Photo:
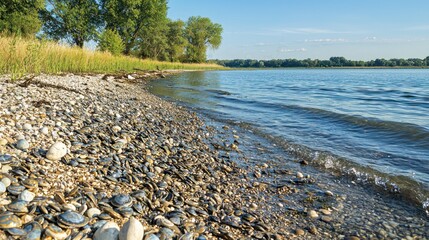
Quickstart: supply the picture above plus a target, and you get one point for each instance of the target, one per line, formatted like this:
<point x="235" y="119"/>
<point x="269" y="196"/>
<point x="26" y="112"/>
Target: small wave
<point x="221" y="92"/>
<point x="401" y="186"/>
<point x="401" y="130"/>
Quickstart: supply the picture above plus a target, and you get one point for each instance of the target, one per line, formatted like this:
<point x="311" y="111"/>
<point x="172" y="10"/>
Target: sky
<point x="317" y="29"/>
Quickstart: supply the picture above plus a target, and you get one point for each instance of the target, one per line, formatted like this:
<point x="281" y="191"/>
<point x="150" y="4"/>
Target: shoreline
<point x="122" y="139"/>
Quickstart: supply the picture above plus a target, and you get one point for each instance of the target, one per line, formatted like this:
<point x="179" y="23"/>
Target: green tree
<point x="110" y="41"/>
<point x="201" y="33"/>
<point x="152" y="41"/>
<point x="140" y="23"/>
<point x="176" y="40"/>
<point x="20" y="17"/>
<point x="76" y="21"/>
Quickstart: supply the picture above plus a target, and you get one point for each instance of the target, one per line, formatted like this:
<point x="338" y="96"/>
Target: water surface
<point x="371" y="125"/>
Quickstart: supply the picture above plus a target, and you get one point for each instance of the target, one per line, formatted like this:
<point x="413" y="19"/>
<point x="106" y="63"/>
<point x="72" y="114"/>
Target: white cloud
<point x="286" y="50"/>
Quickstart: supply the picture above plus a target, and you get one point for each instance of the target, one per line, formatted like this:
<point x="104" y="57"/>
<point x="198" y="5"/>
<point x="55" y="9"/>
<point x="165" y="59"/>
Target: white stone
<point x="130" y="77"/>
<point x="6" y="181"/>
<point x="313" y="214"/>
<point x="26" y="196"/>
<point x="116" y="128"/>
<point x="44" y="130"/>
<point x="27" y="127"/>
<point x="299" y="175"/>
<point x="2" y="187"/>
<point x="56" y="151"/>
<point x="92" y="212"/>
<point x="5" y="168"/>
<point x="109" y="231"/>
<point x="132" y="230"/>
<point x="70" y="207"/>
<point x="22" y="144"/>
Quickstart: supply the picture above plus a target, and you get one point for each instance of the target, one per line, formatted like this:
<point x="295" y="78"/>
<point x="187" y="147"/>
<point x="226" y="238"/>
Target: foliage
<point x="24" y="56"/>
<point x="74" y="20"/>
<point x="316" y="63"/>
<point x="176" y="41"/>
<point x="20" y="17"/>
<point x="201" y="33"/>
<point x="152" y="41"/>
<point x="142" y="24"/>
<point x="110" y="41"/>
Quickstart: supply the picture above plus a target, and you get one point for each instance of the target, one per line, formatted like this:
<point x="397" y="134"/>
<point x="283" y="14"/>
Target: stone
<point x="6" y="181"/>
<point x="299" y="232"/>
<point x="326" y="219"/>
<point x="132" y="230"/>
<point x="312" y="214"/>
<point x="44" y="130"/>
<point x="56" y="151"/>
<point x="313" y="230"/>
<point x="3" y="142"/>
<point x="22" y="144"/>
<point x="109" y="231"/>
<point x="299" y="175"/>
<point x="116" y="128"/>
<point x="325" y="211"/>
<point x="2" y="187"/>
<point x="5" y="168"/>
<point x="93" y="212"/>
<point x="329" y="193"/>
<point x="26" y="196"/>
<point x="27" y="127"/>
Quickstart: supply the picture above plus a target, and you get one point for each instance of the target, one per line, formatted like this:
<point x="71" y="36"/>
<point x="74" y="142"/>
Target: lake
<point x="371" y="125"/>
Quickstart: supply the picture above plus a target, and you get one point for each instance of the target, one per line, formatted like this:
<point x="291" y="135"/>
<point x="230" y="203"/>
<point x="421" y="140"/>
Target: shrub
<point x="111" y="41"/>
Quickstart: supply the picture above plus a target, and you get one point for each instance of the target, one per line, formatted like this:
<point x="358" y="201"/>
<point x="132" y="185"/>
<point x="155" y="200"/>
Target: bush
<point x="110" y="41"/>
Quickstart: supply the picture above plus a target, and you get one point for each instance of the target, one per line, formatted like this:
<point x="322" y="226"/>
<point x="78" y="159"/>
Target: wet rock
<point x="56" y="151"/>
<point x="132" y="230"/>
<point x="109" y="231"/>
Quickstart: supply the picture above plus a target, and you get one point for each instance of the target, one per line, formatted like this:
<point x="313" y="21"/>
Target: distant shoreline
<point x="275" y="68"/>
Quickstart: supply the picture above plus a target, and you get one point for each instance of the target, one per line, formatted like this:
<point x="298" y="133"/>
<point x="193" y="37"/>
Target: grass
<point x="19" y="57"/>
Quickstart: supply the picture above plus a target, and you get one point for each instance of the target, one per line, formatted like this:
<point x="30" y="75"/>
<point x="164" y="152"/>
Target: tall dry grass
<point x="19" y="57"/>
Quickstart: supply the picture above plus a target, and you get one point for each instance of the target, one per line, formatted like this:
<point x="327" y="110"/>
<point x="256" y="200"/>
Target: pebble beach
<point x="99" y="157"/>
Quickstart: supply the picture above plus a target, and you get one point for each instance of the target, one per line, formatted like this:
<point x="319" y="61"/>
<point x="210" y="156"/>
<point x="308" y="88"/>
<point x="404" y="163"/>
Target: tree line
<point x="316" y="63"/>
<point x="131" y="27"/>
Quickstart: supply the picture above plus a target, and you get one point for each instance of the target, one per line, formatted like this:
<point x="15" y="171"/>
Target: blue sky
<point x="271" y="29"/>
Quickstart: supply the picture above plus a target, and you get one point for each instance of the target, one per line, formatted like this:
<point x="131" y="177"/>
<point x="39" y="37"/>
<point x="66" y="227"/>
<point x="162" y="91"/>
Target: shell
<point x="70" y="219"/>
<point x="121" y="200"/>
<point x="8" y="220"/>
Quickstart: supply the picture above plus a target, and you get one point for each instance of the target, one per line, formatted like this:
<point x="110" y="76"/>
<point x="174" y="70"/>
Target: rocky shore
<point x="98" y="157"/>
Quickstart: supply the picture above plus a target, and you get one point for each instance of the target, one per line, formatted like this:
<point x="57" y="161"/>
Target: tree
<point x="20" y="17"/>
<point x="140" y="23"/>
<point x="110" y="41"/>
<point x="152" y="40"/>
<point x="201" y="33"/>
<point x="76" y="21"/>
<point x="176" y="40"/>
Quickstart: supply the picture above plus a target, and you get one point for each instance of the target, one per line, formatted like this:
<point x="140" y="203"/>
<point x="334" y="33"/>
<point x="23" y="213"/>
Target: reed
<point x="19" y="56"/>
